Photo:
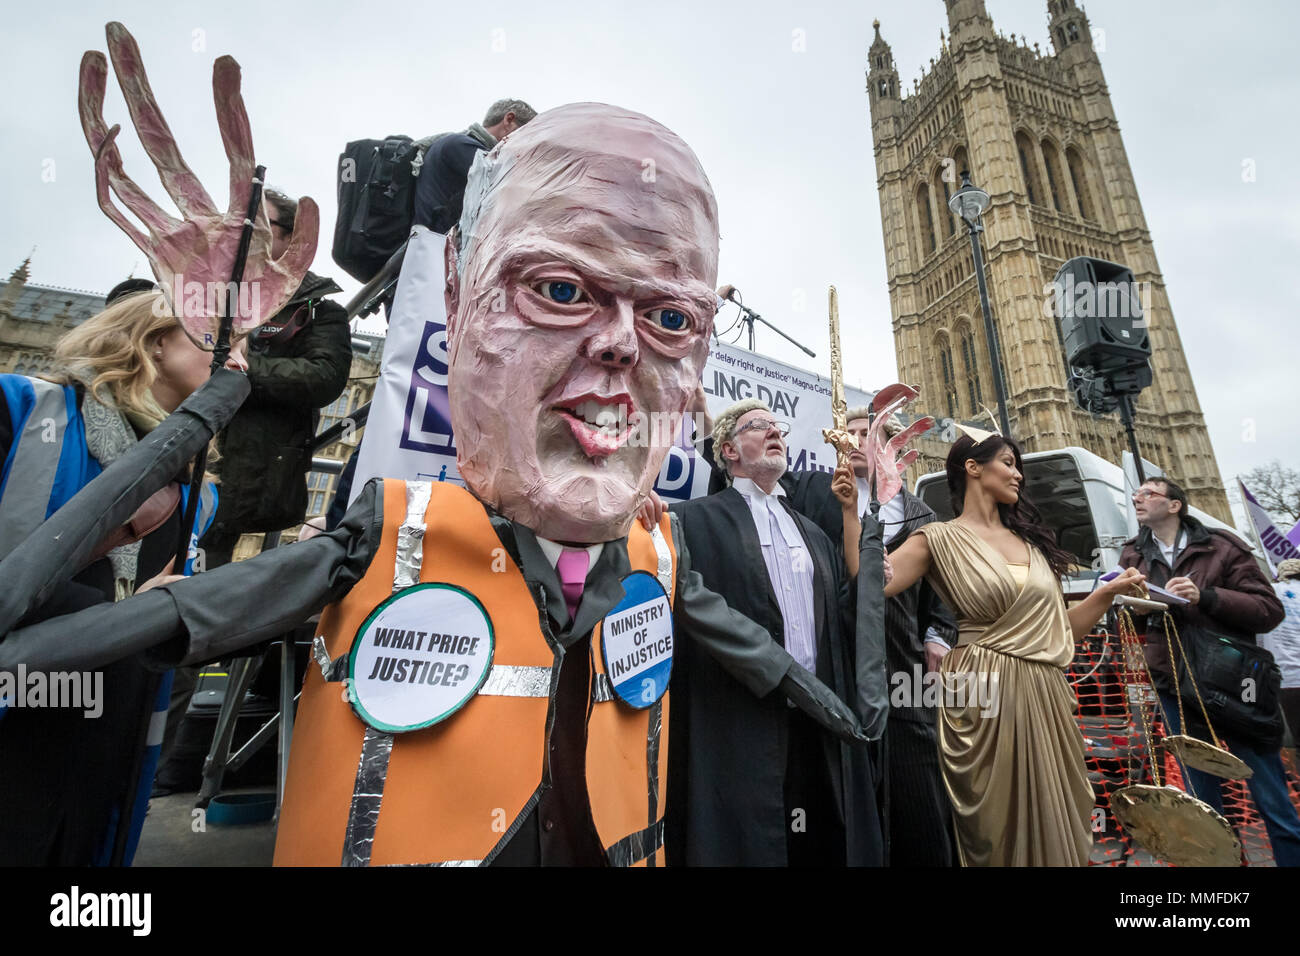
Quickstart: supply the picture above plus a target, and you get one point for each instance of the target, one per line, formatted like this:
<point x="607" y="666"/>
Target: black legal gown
<point x="728" y="749"/>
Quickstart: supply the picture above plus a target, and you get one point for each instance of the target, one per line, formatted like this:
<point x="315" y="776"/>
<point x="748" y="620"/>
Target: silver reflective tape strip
<point x="652" y="763"/>
<point x="321" y="655"/>
<point x="517" y="680"/>
<point x="410" y="536"/>
<point x="367" y="795"/>
<point x="636" y="847"/>
<point x="602" y="689"/>
<point x="655" y="728"/>
<point x="665" y="570"/>
<point x="443" y="863"/>
<point x="157" y="724"/>
<point x="653" y="731"/>
<point x="34" y="466"/>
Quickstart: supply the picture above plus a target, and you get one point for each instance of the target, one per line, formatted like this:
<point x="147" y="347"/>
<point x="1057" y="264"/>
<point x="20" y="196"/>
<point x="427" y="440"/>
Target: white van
<point x="1083" y="497"/>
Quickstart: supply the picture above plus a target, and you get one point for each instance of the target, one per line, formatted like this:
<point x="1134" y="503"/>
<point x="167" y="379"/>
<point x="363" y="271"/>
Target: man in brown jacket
<point x="1228" y="594"/>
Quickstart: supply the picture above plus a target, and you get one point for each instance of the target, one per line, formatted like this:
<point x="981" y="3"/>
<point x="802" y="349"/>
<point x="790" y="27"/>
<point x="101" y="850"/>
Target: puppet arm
<point x="748" y="652"/>
<point x="212" y="613"/>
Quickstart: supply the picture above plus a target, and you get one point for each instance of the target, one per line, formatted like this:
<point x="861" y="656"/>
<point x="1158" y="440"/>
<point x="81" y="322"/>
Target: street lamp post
<point x="968" y="204"/>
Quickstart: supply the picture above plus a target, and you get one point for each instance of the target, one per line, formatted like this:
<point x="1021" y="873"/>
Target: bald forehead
<point x="596" y="130"/>
<point x="606" y="191"/>
<point x="589" y="157"/>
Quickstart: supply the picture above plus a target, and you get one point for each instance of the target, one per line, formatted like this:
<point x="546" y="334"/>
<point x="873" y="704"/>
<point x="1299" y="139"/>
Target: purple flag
<point x="1276" y="547"/>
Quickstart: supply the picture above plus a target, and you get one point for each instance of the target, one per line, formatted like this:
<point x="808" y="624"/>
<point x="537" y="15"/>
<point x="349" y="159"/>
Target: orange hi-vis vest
<point x="452" y="794"/>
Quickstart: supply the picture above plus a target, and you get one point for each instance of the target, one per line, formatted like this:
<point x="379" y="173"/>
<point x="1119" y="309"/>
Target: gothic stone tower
<point x="1037" y="131"/>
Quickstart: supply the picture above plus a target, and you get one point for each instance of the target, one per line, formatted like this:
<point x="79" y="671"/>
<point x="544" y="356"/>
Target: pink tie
<point x="572" y="569"/>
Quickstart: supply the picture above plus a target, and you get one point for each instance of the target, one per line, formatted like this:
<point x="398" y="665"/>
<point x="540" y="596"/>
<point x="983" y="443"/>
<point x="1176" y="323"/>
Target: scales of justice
<point x="1170" y="823"/>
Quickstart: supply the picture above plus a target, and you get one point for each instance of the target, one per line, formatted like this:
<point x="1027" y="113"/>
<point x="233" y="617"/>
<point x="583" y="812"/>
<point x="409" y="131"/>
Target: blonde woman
<point x="117" y="376"/>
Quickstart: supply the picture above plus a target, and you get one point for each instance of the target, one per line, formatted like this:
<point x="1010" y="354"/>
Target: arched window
<point x="944" y="190"/>
<point x="1052" y="163"/>
<point x="1029" y="167"/>
<point x="925" y="215"/>
<point x="944" y="349"/>
<point x="1079" y="179"/>
<point x="970" y="360"/>
<point x="961" y="164"/>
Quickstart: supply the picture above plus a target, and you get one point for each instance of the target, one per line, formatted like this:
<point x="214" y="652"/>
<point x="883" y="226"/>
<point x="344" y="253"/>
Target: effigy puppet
<point x="495" y="661"/>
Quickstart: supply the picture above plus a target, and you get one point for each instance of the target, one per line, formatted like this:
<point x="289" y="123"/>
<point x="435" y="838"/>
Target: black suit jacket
<point x="907" y="615"/>
<point x="728" y="749"/>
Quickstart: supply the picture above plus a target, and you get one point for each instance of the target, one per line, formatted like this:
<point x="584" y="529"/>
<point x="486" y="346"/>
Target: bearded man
<point x="754" y="782"/>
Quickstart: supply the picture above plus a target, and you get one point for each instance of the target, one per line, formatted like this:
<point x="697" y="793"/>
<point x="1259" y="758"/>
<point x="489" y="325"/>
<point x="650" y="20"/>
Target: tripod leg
<point x="214" y="765"/>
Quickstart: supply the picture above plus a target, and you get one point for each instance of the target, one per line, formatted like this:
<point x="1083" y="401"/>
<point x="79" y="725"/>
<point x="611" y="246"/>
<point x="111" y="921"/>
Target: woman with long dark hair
<point x="1011" y="751"/>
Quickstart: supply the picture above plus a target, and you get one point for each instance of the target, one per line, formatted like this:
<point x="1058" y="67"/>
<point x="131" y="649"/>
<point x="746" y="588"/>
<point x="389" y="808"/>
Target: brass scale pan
<point x="1170" y="823"/>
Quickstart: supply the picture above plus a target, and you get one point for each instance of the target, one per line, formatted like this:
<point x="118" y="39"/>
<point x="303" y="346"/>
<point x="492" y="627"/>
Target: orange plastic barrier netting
<point x="1111" y="688"/>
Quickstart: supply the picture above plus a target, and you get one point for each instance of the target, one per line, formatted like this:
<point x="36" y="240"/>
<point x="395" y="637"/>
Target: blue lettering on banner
<point x="426" y="422"/>
<point x="676" y="481"/>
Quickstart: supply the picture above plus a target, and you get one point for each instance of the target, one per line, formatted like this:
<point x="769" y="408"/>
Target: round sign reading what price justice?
<point x="419" y="657"/>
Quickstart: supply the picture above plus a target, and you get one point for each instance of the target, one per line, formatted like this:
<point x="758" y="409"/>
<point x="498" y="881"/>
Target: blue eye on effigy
<point x="564" y="293"/>
<point x="670" y="319"/>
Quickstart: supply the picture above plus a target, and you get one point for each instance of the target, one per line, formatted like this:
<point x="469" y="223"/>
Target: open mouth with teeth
<point x="599" y="424"/>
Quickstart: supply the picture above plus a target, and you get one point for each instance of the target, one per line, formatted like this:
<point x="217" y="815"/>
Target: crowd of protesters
<point x="782" y="548"/>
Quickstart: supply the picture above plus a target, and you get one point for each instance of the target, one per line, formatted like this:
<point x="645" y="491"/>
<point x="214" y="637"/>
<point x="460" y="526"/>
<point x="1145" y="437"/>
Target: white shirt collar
<point x="1180" y="540"/>
<point x="761" y="505"/>
<point x="892" y="511"/>
<point x="864" y="494"/>
<point x="553" y="550"/>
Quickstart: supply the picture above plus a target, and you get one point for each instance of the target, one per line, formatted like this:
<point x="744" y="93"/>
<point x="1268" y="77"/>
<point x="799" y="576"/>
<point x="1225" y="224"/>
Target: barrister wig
<point x="724" y="428"/>
<point x="891" y="428"/>
<point x="1023" y="518"/>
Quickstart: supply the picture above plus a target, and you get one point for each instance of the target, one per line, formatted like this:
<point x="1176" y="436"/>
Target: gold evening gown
<point x="1011" y="751"/>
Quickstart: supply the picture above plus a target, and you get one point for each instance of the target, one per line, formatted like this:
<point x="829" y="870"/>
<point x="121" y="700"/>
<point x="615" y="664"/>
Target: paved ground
<point x="174" y="835"/>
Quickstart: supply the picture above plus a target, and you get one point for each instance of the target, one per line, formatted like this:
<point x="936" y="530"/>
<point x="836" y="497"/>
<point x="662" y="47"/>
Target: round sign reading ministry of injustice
<point x="637" y="641"/>
<point x="419" y="657"/>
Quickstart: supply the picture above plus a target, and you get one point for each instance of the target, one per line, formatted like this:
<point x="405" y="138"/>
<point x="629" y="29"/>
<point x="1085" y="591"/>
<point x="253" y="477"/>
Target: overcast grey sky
<point x="1199" y="88"/>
